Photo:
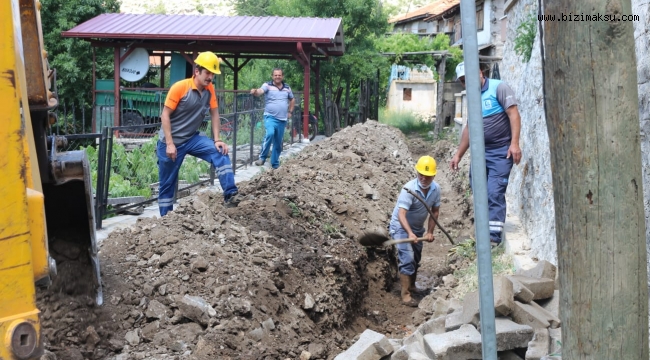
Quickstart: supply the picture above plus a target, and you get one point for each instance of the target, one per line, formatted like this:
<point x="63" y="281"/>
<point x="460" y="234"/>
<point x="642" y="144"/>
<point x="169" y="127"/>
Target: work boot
<point x="412" y="287"/>
<point x="405" y="282"/>
<point x="231" y="200"/>
<point x="259" y="162"/>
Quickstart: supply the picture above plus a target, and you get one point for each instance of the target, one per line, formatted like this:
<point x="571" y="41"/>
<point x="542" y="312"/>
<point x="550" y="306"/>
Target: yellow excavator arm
<point x="23" y="242"/>
<point x="36" y="183"/>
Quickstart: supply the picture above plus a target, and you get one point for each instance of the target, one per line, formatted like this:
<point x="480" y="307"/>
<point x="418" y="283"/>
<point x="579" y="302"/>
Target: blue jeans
<point x="408" y="254"/>
<point x="274" y="136"/>
<point x="198" y="146"/>
<point x="498" y="172"/>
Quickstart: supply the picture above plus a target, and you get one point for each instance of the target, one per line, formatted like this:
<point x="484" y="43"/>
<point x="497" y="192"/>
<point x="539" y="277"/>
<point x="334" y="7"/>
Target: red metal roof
<point x="211" y="28"/>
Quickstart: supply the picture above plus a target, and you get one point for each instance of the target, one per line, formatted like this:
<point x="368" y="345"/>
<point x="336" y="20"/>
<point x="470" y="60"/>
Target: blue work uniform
<point x="276" y="110"/>
<point x="189" y="107"/>
<point x="410" y="254"/>
<point x="496" y="97"/>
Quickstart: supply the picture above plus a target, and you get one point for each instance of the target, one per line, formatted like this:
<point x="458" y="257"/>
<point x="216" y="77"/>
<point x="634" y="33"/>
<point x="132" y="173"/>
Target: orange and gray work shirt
<point x="189" y="108"/>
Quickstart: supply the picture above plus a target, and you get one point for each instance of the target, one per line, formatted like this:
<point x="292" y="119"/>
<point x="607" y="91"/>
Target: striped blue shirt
<point x="277" y="100"/>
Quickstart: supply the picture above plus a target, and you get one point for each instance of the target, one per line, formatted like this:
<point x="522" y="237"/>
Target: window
<point x="479" y="17"/>
<point x="406" y="94"/>
<point x="458" y="33"/>
<point x="422" y="27"/>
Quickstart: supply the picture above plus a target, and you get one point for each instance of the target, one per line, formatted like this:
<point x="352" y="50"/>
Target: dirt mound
<point x="265" y="280"/>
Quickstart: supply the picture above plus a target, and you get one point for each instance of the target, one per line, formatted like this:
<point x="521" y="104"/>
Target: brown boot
<point x="405" y="282"/>
<point x="412" y="287"/>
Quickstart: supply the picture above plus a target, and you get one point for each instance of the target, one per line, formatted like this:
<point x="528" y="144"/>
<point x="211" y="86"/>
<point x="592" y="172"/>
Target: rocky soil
<point x="278" y="277"/>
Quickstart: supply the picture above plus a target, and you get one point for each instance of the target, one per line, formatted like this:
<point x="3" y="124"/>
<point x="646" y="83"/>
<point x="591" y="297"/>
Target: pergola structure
<point x="234" y="39"/>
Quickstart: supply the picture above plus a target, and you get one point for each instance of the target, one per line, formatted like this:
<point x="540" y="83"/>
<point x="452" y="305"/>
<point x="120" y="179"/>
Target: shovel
<point x="375" y="239"/>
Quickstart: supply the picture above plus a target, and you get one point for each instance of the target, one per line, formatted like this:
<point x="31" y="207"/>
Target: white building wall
<point x="423" y="96"/>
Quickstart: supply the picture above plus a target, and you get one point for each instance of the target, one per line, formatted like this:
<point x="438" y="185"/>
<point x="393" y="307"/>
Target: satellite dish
<point x="135" y="66"/>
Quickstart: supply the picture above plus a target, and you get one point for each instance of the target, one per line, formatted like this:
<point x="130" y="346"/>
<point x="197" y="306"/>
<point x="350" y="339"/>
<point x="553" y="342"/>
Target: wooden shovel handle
<point x="392" y="242"/>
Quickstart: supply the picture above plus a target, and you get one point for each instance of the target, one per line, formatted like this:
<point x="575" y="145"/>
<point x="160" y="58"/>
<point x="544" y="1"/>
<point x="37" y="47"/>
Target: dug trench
<point x="277" y="277"/>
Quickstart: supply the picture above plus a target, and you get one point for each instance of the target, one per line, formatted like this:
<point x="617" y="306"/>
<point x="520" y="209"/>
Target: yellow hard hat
<point x="209" y="61"/>
<point x="426" y="166"/>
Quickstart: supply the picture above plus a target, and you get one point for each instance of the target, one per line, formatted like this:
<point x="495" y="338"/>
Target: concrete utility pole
<point x="479" y="180"/>
<point x="590" y="89"/>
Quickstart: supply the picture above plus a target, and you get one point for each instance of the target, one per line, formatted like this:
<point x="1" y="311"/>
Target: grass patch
<point x="407" y="122"/>
<point x="468" y="278"/>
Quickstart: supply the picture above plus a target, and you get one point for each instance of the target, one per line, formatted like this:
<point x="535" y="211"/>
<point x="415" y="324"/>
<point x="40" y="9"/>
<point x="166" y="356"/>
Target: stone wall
<point x="530" y="193"/>
<point x="642" y="43"/>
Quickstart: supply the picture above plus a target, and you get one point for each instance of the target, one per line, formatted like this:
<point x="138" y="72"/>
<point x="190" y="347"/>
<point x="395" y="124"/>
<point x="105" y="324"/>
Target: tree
<point x="363" y="22"/>
<point x="590" y="86"/>
<point x="72" y="58"/>
<point x="404" y="42"/>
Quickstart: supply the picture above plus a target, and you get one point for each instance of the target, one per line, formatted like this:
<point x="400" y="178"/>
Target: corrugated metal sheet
<point x="207" y="27"/>
<point x="433" y="9"/>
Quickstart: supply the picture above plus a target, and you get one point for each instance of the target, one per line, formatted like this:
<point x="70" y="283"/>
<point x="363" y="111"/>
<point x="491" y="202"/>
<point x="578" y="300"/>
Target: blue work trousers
<point x="198" y="146"/>
<point x="498" y="171"/>
<point x="408" y="254"/>
<point x="274" y="136"/>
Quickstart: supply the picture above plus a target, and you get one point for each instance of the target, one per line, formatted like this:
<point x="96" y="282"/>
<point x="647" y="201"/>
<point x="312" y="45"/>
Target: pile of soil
<point x="279" y="275"/>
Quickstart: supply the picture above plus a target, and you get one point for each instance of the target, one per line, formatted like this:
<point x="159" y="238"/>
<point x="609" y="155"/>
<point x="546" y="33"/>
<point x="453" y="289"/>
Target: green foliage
<point x="330" y="229"/>
<point x="468" y="276"/>
<point x="405" y="121"/>
<point x="406" y="42"/>
<point x="133" y="171"/>
<point x="72" y="58"/>
<point x="525" y="37"/>
<point x="559" y="351"/>
<point x="363" y="22"/>
<point x="295" y="210"/>
<point x="158" y="8"/>
<point x="466" y="249"/>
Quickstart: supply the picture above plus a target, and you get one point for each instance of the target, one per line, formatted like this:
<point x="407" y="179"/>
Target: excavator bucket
<point x="70" y="214"/>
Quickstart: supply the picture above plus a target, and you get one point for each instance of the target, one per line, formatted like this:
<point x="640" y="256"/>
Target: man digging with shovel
<point x="408" y="220"/>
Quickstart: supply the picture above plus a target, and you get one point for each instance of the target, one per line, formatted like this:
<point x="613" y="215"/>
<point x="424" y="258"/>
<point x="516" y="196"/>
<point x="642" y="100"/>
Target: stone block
<point x="433" y="326"/>
<point x="440" y="308"/>
<point x="542" y="288"/>
<point x="471" y="308"/>
<point x="539" y="346"/>
<point x="542" y="270"/>
<point x="454" y="320"/>
<point x="407" y="352"/>
<point x="415" y="338"/>
<point x="503" y="296"/>
<point x="525" y="314"/>
<point x="552" y="319"/>
<point x="511" y="335"/>
<point x="521" y="292"/>
<point x="503" y="302"/>
<point x="461" y="344"/>
<point x="454" y="304"/>
<point x="552" y="304"/>
<point x="370" y="346"/>
<point x="556" y="340"/>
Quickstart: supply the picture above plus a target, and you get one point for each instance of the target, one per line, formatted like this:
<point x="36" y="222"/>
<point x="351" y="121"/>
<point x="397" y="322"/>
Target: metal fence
<point x="242" y="128"/>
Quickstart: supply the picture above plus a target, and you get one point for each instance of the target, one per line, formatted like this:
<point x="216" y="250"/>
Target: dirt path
<point x="278" y="275"/>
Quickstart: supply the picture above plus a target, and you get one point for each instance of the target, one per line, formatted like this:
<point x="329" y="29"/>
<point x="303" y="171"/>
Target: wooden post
<point x="591" y="104"/>
<point x="116" y="92"/>
<point x="441" y="92"/>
